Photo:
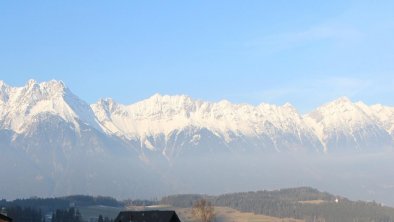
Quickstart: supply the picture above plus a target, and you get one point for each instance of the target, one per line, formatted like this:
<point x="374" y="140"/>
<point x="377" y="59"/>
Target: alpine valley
<point x="54" y="143"/>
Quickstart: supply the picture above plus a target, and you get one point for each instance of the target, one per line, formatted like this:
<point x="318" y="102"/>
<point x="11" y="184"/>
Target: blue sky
<point x="302" y="52"/>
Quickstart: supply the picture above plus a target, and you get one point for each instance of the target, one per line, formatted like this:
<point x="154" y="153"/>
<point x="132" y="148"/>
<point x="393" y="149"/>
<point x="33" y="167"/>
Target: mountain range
<point x="177" y="125"/>
<point x="49" y="135"/>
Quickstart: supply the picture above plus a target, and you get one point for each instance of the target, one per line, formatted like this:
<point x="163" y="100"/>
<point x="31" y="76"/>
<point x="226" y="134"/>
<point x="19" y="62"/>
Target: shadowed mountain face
<point x="57" y="144"/>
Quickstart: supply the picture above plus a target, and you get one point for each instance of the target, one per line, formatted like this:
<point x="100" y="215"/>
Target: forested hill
<point x="54" y="203"/>
<point x="67" y="209"/>
<point x="301" y="203"/>
<point x="62" y="202"/>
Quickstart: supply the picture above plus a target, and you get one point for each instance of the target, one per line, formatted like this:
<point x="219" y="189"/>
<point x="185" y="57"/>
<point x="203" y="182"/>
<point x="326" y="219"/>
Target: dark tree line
<point x="84" y="200"/>
<point x="30" y="214"/>
<point x="51" y="204"/>
<point x="104" y="219"/>
<point x="70" y="215"/>
<point x="25" y="214"/>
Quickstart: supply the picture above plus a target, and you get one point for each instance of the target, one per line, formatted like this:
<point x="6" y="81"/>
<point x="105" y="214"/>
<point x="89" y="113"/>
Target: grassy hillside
<point x="300" y="203"/>
<point x="222" y="214"/>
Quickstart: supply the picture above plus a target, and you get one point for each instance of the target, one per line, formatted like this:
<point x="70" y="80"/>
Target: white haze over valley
<point x="53" y="143"/>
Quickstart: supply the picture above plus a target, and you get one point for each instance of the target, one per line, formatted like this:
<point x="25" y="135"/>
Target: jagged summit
<point x="342" y="124"/>
<point x="159" y="101"/>
<point x="53" y="85"/>
<point x="23" y="105"/>
<point x="4" y="90"/>
<point x="157" y="97"/>
<point x="342" y="99"/>
<point x="107" y="102"/>
<point x="339" y="104"/>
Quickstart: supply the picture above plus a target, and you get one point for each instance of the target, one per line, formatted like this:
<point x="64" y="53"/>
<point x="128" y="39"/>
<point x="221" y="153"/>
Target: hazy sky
<point x="302" y="52"/>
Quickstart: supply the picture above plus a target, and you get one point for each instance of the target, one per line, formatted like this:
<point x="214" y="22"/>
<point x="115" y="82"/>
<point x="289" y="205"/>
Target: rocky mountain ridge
<point x="175" y="125"/>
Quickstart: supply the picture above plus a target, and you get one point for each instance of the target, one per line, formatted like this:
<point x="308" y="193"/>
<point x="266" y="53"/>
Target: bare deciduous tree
<point x="203" y="210"/>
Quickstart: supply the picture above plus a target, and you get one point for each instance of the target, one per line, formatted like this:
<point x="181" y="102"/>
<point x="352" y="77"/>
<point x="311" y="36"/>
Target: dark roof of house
<point x="4" y="217"/>
<point x="147" y="216"/>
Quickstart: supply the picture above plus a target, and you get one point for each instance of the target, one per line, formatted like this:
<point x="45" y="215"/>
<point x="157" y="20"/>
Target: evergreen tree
<point x="100" y="218"/>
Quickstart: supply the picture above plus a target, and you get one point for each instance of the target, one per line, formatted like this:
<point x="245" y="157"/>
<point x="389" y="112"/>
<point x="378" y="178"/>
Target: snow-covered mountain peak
<point x="377" y="107"/>
<point x="338" y="112"/>
<point x="4" y="91"/>
<point x="342" y="124"/>
<point x="2" y="84"/>
<point x="23" y="105"/>
<point x="224" y="103"/>
<point x="35" y="90"/>
<point x="104" y="108"/>
<point x="385" y="115"/>
<point x="108" y="103"/>
<point x="162" y="107"/>
<point x="158" y="99"/>
<point x="31" y="82"/>
<point x="342" y="100"/>
<point x="276" y="110"/>
<point x="341" y="108"/>
<point x="55" y="85"/>
<point x="290" y="107"/>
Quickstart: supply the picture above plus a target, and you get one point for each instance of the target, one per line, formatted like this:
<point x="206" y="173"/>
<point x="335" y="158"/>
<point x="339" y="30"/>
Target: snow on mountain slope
<point x="343" y="125"/>
<point x="385" y="115"/>
<point x="20" y="106"/>
<point x="171" y="125"/>
<point x="163" y="115"/>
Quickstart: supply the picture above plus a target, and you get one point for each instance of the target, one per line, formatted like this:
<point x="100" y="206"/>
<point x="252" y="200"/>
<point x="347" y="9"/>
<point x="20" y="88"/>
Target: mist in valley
<point x="361" y="176"/>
